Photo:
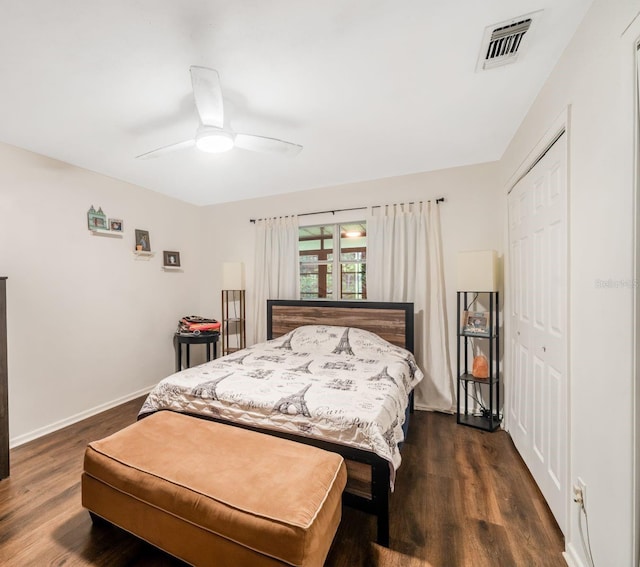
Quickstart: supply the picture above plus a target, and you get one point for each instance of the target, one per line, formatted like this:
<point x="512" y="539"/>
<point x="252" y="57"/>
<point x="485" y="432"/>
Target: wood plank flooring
<point x="463" y="498"/>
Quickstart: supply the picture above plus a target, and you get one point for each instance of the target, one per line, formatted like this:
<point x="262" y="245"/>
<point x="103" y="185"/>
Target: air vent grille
<point x="503" y="42"/>
<point x="506" y="40"/>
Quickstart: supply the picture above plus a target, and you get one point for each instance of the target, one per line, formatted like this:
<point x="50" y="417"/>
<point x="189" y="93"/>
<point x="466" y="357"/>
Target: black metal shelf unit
<point x="487" y="415"/>
<point x="233" y="320"/>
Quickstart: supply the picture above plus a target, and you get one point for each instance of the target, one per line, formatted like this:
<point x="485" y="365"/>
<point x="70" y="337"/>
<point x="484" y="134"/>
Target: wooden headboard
<point x="391" y="321"/>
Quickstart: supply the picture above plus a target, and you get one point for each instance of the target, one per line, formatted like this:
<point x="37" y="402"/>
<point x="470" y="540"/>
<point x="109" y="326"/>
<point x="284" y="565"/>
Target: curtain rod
<point x="334" y="211"/>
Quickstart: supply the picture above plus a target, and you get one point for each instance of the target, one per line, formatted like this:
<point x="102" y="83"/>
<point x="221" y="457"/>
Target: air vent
<point x="503" y="42"/>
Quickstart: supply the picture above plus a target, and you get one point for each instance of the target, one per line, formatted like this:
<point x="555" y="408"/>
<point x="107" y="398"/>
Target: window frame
<point x="336" y="263"/>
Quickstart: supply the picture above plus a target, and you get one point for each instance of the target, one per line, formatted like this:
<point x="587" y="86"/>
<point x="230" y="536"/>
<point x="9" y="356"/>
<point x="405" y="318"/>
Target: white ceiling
<point x="370" y="88"/>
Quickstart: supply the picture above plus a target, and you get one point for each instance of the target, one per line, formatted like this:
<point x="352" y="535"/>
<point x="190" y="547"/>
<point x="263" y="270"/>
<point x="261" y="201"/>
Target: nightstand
<point x="207" y="339"/>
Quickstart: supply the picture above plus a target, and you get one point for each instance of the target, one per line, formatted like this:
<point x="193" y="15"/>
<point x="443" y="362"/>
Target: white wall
<point x="471" y="194"/>
<point x="595" y="77"/>
<point x="91" y="326"/>
<point x="88" y="325"/>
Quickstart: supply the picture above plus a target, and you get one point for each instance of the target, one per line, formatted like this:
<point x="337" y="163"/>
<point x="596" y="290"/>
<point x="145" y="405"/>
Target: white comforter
<point x="339" y="384"/>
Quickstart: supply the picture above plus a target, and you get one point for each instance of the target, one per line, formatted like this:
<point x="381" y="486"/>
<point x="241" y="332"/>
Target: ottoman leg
<point x="97" y="520"/>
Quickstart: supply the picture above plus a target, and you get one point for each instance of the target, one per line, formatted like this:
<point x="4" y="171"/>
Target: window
<point x="319" y="263"/>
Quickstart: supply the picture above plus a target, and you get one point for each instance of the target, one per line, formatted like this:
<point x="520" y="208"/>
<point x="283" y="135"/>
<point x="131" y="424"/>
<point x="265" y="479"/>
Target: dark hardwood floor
<point x="463" y="498"/>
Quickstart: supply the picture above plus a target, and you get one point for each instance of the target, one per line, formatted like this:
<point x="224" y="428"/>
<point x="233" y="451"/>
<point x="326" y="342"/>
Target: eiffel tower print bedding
<point x="340" y="384"/>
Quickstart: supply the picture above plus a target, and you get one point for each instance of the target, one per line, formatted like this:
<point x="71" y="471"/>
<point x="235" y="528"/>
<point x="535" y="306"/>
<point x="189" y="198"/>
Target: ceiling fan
<point x="212" y="136"/>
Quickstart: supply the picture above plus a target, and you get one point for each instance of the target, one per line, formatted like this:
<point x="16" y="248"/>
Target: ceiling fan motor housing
<point x="213" y="140"/>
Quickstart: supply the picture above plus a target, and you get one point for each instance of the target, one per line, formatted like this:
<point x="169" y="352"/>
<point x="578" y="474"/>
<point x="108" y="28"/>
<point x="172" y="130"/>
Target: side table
<point x="207" y="339"/>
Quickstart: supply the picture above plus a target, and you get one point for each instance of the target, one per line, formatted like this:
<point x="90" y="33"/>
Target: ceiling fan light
<point x="214" y="141"/>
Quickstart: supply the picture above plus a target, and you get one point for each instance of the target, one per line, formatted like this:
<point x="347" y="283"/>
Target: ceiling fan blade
<point x="167" y="149"/>
<point x="268" y="145"/>
<point x="208" y="95"/>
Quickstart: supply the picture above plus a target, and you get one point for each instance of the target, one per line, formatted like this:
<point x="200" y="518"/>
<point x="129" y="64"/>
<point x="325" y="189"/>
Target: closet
<point x="538" y="391"/>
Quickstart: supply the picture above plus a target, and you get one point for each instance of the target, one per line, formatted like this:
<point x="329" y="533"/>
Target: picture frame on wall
<point x="143" y="243"/>
<point x="116" y="225"/>
<point x="476" y="323"/>
<point x="171" y="259"/>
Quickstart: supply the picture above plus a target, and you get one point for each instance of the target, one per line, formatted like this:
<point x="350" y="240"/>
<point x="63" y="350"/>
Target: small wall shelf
<point x="143" y="255"/>
<point x="100" y="232"/>
<point x="171" y="269"/>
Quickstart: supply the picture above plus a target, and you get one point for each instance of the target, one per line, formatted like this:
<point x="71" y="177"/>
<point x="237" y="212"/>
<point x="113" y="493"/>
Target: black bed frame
<point x="378" y="504"/>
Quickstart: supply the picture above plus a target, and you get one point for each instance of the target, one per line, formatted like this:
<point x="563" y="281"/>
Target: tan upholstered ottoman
<point x="218" y="495"/>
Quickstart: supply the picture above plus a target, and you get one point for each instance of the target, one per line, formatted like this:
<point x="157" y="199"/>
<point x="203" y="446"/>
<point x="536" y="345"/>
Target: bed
<point x="337" y="375"/>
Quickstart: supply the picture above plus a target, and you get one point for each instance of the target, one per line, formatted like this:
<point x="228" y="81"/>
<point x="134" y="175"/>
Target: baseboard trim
<point x="36" y="433"/>
<point x="423" y="407"/>
<point x="572" y="558"/>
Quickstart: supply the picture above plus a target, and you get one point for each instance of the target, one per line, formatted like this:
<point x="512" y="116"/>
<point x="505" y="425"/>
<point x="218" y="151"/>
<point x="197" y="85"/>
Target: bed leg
<point x="383" y="529"/>
<point x="381" y="494"/>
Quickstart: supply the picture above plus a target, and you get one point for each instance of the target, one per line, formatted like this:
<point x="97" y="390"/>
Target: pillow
<point x="329" y="339"/>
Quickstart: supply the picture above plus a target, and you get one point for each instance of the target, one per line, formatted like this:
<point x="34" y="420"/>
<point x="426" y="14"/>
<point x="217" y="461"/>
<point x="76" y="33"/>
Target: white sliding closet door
<point x="538" y="387"/>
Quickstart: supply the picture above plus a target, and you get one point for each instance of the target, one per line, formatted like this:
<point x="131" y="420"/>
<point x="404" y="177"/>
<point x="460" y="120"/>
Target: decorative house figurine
<point x="97" y="220"/>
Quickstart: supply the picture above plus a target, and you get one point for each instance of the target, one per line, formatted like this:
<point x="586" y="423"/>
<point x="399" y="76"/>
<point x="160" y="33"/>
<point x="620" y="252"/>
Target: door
<point x="538" y="388"/>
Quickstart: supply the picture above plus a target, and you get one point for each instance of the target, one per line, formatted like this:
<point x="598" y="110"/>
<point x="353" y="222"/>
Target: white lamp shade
<point x="478" y="270"/>
<point x="233" y="275"/>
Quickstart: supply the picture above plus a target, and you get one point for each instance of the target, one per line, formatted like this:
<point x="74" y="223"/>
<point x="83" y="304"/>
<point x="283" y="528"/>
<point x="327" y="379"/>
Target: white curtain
<point x="276" y="268"/>
<point x="404" y="263"/>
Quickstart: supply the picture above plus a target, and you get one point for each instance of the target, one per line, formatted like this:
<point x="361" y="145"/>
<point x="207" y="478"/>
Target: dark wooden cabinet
<point x="4" y="386"/>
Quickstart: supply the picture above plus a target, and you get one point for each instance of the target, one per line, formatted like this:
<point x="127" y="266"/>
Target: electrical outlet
<point x="580" y="492"/>
<point x="583" y="489"/>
